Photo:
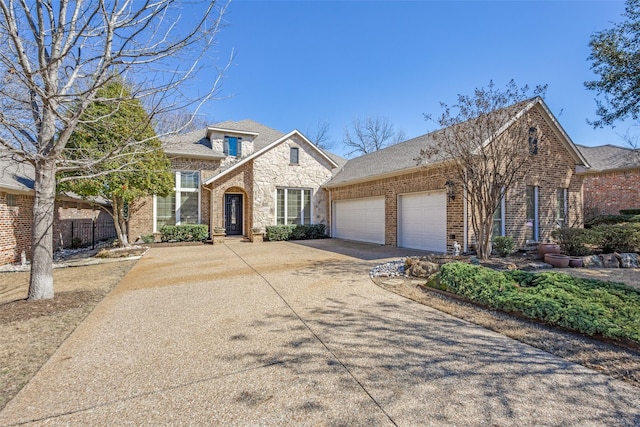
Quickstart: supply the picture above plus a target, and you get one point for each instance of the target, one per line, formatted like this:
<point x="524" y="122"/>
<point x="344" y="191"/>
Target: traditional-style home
<point x="385" y="197"/>
<point x="239" y="176"/>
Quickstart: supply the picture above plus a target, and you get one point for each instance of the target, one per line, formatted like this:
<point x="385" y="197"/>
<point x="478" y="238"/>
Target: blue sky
<point x="300" y="63"/>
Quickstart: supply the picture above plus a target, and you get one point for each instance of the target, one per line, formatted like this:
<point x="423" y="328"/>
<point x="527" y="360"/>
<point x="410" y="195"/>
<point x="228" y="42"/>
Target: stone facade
<point x="272" y="170"/>
<point x="256" y="179"/>
<point x="607" y="192"/>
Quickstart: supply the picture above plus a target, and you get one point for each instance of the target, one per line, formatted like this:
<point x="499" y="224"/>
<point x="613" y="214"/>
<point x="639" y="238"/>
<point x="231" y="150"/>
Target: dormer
<point x="235" y="144"/>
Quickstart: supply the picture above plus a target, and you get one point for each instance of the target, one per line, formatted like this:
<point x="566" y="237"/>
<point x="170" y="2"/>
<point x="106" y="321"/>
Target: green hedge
<point x="295" y="232"/>
<point x="630" y="212"/>
<point x="588" y="306"/>
<point x="611" y="220"/>
<point x="184" y="233"/>
<point x="618" y="238"/>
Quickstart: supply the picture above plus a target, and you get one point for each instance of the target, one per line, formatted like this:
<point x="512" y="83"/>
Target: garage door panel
<point x="422" y="221"/>
<point x="360" y="219"/>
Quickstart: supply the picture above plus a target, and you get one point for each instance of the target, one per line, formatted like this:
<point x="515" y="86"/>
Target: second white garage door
<point x="422" y="221"/>
<point x="359" y="219"/>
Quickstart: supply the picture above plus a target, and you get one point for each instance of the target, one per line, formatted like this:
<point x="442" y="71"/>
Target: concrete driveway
<point x="297" y="334"/>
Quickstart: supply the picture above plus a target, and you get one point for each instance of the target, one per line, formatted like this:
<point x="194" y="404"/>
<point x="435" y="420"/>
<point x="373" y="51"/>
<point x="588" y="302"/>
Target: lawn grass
<point x="588" y="306"/>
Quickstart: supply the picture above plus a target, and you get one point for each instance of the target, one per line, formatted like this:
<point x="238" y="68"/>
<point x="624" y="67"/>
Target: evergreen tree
<point x="107" y="128"/>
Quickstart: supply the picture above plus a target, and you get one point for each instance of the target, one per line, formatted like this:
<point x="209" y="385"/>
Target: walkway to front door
<point x="233" y="214"/>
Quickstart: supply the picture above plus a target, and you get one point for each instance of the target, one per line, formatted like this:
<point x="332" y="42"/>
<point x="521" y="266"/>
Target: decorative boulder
<point x="420" y="267"/>
<point x="610" y="260"/>
<point x="629" y="260"/>
<point x="592" y="261"/>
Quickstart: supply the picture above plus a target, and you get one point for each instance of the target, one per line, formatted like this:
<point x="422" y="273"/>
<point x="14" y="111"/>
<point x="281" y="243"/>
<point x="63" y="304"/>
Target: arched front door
<point x="233" y="214"/>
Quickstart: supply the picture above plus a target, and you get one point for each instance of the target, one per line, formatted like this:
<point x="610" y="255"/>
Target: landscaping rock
<point x="592" y="261"/>
<point x="610" y="260"/>
<point x="422" y="268"/>
<point x="629" y="260"/>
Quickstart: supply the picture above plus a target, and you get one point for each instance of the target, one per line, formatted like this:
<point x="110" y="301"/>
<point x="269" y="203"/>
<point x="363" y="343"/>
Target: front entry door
<point x="233" y="213"/>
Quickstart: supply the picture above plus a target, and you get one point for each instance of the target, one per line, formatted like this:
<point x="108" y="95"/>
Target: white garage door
<point x="359" y="219"/>
<point x="422" y="221"/>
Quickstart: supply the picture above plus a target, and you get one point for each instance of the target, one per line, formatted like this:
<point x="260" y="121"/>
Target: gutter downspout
<point x="330" y="219"/>
<point x="465" y="213"/>
<point x="211" y="225"/>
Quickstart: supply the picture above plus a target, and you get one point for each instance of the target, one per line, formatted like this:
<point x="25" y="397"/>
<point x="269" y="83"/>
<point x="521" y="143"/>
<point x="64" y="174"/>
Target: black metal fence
<point x="90" y="233"/>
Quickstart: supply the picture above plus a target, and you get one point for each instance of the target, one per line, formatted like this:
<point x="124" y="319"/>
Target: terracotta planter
<point x="548" y="248"/>
<point x="575" y="262"/>
<point x="557" y="260"/>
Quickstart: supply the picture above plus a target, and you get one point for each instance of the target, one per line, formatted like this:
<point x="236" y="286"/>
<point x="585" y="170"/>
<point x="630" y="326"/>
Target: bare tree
<point x="633" y="141"/>
<point x="320" y="135"/>
<point x="179" y="122"/>
<point x="56" y="55"/>
<point x="487" y="139"/>
<point x="370" y="134"/>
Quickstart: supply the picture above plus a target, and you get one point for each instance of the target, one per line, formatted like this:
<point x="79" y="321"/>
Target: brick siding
<point x="606" y="193"/>
<point x="141" y="211"/>
<point x="552" y="168"/>
<point x="15" y="228"/>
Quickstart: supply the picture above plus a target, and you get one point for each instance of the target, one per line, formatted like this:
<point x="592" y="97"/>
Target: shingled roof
<point x="609" y="157"/>
<point x="402" y="157"/>
<point x="16" y="175"/>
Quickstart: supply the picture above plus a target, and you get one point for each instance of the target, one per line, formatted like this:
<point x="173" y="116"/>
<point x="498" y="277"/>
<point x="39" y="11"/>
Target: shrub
<point x="587" y="306"/>
<point x="573" y="241"/>
<point x="629" y="211"/>
<point x="618" y="238"/>
<point x="611" y="220"/>
<point x="184" y="233"/>
<point x="295" y="232"/>
<point x="504" y="245"/>
<point x="147" y="238"/>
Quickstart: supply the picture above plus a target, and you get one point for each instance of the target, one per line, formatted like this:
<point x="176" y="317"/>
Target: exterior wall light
<point x="451" y="190"/>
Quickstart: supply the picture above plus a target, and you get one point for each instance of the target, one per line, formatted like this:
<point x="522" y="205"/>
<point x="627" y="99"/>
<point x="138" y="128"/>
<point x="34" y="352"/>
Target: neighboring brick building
<point x="16" y="215"/>
<point x="613" y="182"/>
<point x="386" y="198"/>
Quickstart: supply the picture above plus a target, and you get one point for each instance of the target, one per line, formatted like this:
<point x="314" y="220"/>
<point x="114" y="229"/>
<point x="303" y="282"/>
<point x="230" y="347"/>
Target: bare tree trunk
<point x="118" y="221"/>
<point x="41" y="282"/>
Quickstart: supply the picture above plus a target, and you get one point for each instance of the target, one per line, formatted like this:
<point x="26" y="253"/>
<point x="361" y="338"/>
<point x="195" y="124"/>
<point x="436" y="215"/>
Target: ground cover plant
<point x="587" y="306"/>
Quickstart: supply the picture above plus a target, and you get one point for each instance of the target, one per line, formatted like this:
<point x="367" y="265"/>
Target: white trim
<point x="267" y="148"/>
<point x="177" y="190"/>
<point x="155" y="215"/>
<point x="212" y="129"/>
<point x="536" y="207"/>
<point x="286" y="206"/>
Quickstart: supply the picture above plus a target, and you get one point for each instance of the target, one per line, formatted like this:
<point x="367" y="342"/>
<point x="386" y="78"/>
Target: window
<point x="11" y="200"/>
<point x="294" y="154"/>
<point x="182" y="206"/>
<point x="293" y="206"/>
<point x="562" y="207"/>
<point x="498" y="220"/>
<point x="232" y="146"/>
<point x="533" y="141"/>
<point x="532" y="213"/>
